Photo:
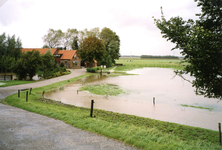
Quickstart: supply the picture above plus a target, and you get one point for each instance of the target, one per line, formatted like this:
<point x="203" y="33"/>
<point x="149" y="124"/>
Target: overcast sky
<point x="130" y="19"/>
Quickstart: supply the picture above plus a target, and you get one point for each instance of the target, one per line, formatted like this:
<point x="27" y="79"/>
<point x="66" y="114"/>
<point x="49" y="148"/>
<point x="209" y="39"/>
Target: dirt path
<point x="20" y="129"/>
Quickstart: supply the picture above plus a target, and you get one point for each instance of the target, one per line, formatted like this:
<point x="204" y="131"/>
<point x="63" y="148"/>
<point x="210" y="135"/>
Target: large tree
<point x="91" y="48"/>
<point x="28" y="64"/>
<point x="53" y="38"/>
<point x="75" y="44"/>
<point x="200" y="44"/>
<point x="112" y="44"/>
<point x="68" y="37"/>
<point x="10" y="52"/>
<point x="48" y="62"/>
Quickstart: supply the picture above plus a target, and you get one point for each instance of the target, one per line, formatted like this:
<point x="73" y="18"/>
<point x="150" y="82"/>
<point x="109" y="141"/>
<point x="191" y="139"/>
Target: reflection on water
<point x="169" y="94"/>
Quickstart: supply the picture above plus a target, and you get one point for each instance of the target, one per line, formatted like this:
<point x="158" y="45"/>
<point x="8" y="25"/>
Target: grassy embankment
<point x="143" y="133"/>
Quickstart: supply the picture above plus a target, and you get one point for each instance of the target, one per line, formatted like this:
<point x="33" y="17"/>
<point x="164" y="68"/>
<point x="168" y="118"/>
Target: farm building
<point x="69" y="58"/>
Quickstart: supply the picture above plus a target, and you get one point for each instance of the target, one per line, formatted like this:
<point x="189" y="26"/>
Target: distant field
<point x="132" y="63"/>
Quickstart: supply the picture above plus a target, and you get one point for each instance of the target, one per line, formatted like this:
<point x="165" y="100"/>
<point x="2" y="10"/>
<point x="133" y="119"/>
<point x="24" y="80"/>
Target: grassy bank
<point x="143" y="133"/>
<point x="103" y="89"/>
<point x="199" y="107"/>
<point x="133" y="63"/>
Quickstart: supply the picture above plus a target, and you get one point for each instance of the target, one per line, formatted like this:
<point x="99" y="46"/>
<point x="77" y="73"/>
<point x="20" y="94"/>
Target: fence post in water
<point x="30" y="91"/>
<point x="18" y="93"/>
<point x="43" y="94"/>
<point x="219" y="126"/>
<point x="91" y="112"/>
<point x="27" y="96"/>
<point x="153" y="100"/>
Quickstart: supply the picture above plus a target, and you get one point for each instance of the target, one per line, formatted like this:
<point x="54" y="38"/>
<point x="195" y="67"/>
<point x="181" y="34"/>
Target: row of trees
<point x="159" y="57"/>
<point x="32" y="62"/>
<point x="102" y="46"/>
<point x="200" y="42"/>
<point x="25" y="64"/>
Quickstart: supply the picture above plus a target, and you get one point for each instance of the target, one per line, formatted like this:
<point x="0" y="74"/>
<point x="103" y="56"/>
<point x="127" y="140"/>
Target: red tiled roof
<point x="67" y="54"/>
<point x="41" y="50"/>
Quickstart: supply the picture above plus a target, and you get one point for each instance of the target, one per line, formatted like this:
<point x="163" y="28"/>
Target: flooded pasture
<point x="169" y="92"/>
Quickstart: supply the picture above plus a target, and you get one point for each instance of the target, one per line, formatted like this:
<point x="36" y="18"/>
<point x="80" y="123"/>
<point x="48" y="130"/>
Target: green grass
<point x="133" y="63"/>
<point x="200" y="107"/>
<point x="103" y="89"/>
<point x="14" y="82"/>
<point x="143" y="133"/>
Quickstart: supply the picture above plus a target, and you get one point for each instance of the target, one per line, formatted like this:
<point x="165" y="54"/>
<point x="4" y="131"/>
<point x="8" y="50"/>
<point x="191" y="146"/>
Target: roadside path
<point x="20" y="129"/>
<point x="6" y="91"/>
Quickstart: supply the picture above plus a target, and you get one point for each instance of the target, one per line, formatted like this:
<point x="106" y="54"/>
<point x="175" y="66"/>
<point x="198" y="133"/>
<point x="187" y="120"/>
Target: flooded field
<point x="169" y="92"/>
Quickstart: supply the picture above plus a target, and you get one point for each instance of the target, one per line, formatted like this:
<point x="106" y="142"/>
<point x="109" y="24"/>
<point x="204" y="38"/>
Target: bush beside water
<point x="93" y="70"/>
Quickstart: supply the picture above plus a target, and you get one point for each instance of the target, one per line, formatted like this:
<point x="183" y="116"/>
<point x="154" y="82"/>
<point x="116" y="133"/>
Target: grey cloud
<point x="123" y="19"/>
<point x="2" y="2"/>
<point x="10" y="12"/>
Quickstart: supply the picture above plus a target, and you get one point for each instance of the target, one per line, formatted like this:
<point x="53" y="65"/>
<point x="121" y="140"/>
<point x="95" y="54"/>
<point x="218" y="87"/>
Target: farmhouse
<point x="69" y="58"/>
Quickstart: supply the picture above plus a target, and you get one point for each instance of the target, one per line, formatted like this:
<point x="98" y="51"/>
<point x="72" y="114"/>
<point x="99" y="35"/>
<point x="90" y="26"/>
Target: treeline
<point x="77" y="39"/>
<point x="132" y="56"/>
<point x="26" y="64"/>
<point x="159" y="57"/>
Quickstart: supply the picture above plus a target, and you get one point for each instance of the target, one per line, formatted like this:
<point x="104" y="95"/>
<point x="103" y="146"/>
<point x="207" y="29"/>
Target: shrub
<point x="92" y="70"/>
<point x="62" y="65"/>
<point x="63" y="69"/>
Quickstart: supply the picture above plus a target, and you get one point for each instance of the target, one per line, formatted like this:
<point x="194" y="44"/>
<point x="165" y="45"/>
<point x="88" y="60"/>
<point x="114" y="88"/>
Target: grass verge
<point x="14" y="82"/>
<point x="143" y="133"/>
<point x="200" y="107"/>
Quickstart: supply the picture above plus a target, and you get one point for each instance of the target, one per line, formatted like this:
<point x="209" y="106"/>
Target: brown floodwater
<point x="169" y="92"/>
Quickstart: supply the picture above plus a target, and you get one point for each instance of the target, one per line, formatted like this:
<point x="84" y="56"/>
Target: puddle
<point x="169" y="94"/>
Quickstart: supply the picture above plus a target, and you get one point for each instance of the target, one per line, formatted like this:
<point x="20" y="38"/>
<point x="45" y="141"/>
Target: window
<point x="75" y="63"/>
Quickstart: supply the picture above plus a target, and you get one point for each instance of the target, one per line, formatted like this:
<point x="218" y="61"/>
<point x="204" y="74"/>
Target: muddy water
<point x="140" y="89"/>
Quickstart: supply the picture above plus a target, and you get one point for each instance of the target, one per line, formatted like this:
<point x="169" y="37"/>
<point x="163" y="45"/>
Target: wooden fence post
<point x="153" y="100"/>
<point x="91" y="112"/>
<point x="43" y="94"/>
<point x="27" y="94"/>
<point x="219" y="126"/>
<point x="18" y="93"/>
<point x="30" y="91"/>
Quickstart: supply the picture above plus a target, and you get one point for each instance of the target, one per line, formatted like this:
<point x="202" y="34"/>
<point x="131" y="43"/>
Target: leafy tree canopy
<point x="91" y="48"/>
<point x="200" y="44"/>
<point x="112" y="43"/>
<point x="28" y="64"/>
<point x="53" y="38"/>
<point x="10" y="52"/>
